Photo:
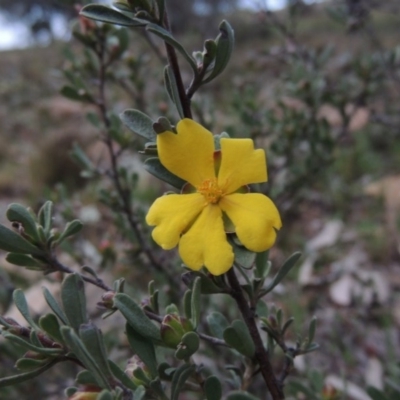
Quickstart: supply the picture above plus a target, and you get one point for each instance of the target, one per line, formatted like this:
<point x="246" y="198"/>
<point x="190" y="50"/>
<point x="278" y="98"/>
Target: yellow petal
<point x="172" y="214"/>
<point x="254" y="217"/>
<point x="189" y="153"/>
<point x="240" y="164"/>
<point x="205" y="243"/>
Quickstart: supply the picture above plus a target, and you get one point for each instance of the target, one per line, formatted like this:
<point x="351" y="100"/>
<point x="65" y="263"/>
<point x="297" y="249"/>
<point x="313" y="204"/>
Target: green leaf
<point x="207" y="284"/>
<point x="144" y="348"/>
<point x="239" y="395"/>
<point x="245" y="258"/>
<point x="237" y="336"/>
<point x="81" y="158"/>
<point x="190" y="343"/>
<point x="52" y="303"/>
<point x="154" y="166"/>
<point x="15" y="379"/>
<point x="85" y="377"/>
<point x="172" y="89"/>
<point x="45" y="216"/>
<point x="82" y="354"/>
<point x="105" y="395"/>
<point x="110" y="16"/>
<point x="92" y="338"/>
<point x="74" y="301"/>
<point x="262" y="265"/>
<point x="225" y="41"/>
<point x="217" y="323"/>
<point x="18" y="213"/>
<point x="23" y="260"/>
<point x="29" y="364"/>
<point x="283" y="271"/>
<point x="139" y="123"/>
<point x="121" y="376"/>
<point x="311" y="329"/>
<point x="180" y="377"/>
<point x="139" y="393"/>
<point x="49" y="323"/>
<point x="72" y="228"/>
<point x="213" y="388"/>
<point x="196" y="302"/>
<point x="168" y="38"/>
<point x="22" y="305"/>
<point x="29" y="346"/>
<point x="15" y="243"/>
<point x="136" y="317"/>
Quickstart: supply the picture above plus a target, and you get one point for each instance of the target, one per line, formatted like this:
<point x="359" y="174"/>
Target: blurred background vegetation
<point x="317" y="85"/>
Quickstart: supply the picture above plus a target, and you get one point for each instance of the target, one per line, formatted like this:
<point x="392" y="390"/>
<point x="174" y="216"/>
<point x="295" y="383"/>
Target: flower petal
<point x="255" y="218"/>
<point x="240" y="164"/>
<point x="172" y="214"/>
<point x="205" y="243"/>
<point x="188" y="154"/>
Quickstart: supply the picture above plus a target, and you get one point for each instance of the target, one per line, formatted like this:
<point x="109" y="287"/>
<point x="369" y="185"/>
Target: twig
<point x="173" y="62"/>
<point x="58" y="266"/>
<point x="123" y="194"/>
<point x="210" y="339"/>
<point x="261" y="354"/>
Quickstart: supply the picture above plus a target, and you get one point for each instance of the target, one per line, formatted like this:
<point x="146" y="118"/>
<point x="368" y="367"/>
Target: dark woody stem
<point x="173" y="62"/>
<point x="261" y="354"/>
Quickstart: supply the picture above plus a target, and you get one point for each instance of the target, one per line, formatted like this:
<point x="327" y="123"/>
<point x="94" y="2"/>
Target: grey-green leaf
<point x="22" y="305"/>
<point x="154" y="166"/>
<point x="18" y="213"/>
<point x="217" y="323"/>
<point x="172" y="89"/>
<point x="74" y="301"/>
<point x="237" y="336"/>
<point x="121" y="376"/>
<point x="45" y="216"/>
<point x="283" y="271"/>
<point x="190" y="343"/>
<point x="180" y="377"/>
<point x="213" y="388"/>
<point x="136" y="317"/>
<point x="139" y="123"/>
<point x="92" y="338"/>
<point x="72" y="228"/>
<point x="52" y="303"/>
<point x="108" y="15"/>
<point x="225" y="42"/>
<point x="196" y="302"/>
<point x="83" y="355"/>
<point x="144" y="348"/>
<point x="23" y="260"/>
<point x="49" y="323"/>
<point x="15" y="243"/>
<point x="15" y="379"/>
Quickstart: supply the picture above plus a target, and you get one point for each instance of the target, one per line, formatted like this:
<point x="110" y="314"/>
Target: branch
<point x="261" y="354"/>
<point x="123" y="194"/>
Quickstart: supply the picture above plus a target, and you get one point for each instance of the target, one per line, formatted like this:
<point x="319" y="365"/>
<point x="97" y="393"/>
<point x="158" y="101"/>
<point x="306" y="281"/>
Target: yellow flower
<point x="195" y="220"/>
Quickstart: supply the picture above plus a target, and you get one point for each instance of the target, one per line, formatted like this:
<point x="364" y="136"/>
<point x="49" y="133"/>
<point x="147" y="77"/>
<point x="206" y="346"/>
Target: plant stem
<point x="173" y="62"/>
<point x="261" y="354"/>
<point x="124" y="194"/>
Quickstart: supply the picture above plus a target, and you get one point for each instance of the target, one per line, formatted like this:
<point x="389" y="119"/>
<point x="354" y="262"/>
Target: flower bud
<point x="107" y="300"/>
<point x="173" y="327"/>
<point x="88" y="392"/>
<point x="329" y="393"/>
<point x="137" y="371"/>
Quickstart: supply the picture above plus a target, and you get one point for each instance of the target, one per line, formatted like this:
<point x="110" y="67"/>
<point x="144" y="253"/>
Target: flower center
<point x="210" y="190"/>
